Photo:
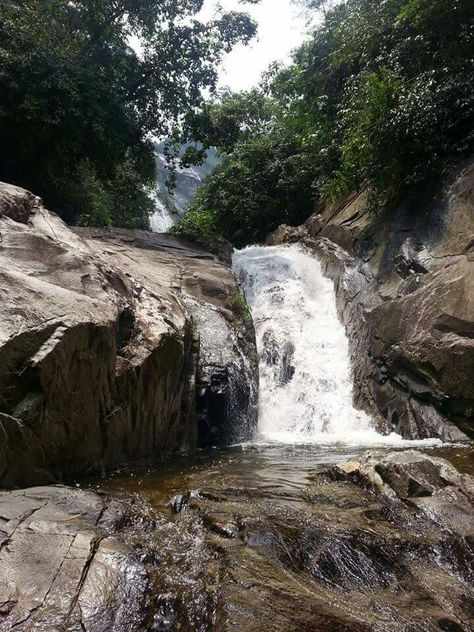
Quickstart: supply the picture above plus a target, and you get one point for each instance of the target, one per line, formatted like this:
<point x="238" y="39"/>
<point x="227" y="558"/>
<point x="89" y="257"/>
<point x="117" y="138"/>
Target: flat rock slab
<point x="63" y="567"/>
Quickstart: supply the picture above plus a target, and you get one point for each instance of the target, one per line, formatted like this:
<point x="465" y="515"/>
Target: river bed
<point x="270" y="535"/>
<point x="263" y="537"/>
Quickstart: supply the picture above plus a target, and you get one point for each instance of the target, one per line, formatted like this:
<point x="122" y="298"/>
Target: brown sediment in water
<point x="461" y="457"/>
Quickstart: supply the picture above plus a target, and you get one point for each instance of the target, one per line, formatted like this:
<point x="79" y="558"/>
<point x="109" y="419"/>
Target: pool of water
<point x="277" y="469"/>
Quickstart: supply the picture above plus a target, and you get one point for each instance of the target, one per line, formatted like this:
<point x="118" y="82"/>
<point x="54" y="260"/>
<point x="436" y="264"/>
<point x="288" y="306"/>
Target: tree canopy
<point x="381" y="97"/>
<point x="84" y="84"/>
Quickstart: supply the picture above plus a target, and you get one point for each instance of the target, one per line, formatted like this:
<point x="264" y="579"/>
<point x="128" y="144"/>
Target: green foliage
<point x="198" y="224"/>
<point x="231" y="118"/>
<point x="381" y="97"/>
<point x="261" y="184"/>
<point x="122" y="201"/>
<point x="239" y="307"/>
<point x="78" y="102"/>
<point x="130" y="203"/>
<point x="85" y="191"/>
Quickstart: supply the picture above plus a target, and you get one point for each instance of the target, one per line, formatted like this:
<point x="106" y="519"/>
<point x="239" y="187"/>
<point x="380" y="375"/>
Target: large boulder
<point x="227" y="364"/>
<point x="404" y="278"/>
<point x="106" y="356"/>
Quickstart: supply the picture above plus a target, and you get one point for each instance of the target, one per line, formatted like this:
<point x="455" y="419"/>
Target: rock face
<point x="171" y="206"/>
<point x="404" y="278"/>
<point x="64" y="567"/>
<point x="227" y="364"/>
<point x="105" y="352"/>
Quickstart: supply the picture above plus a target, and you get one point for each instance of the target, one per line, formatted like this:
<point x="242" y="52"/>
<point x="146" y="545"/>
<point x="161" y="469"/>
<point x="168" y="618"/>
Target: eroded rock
<point x="429" y="483"/>
<point x="404" y="279"/>
<point x="64" y="567"/>
<point x="226" y="360"/>
<point x="104" y="354"/>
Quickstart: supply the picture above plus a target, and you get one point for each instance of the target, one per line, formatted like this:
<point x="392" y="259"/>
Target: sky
<point x="281" y="28"/>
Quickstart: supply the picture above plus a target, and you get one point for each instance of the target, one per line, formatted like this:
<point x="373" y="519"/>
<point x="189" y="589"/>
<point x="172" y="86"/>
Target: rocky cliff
<point x="115" y="346"/>
<point x="404" y="277"/>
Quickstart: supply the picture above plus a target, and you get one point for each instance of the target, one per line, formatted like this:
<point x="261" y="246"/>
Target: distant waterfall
<point x="305" y="378"/>
<point x="162" y="219"/>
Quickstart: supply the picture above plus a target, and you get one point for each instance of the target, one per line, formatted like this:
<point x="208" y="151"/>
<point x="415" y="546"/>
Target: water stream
<point x="258" y="536"/>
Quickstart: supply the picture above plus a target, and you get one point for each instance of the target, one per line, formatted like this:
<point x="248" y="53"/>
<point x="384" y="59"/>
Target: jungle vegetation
<point x="85" y="85"/>
<point x="380" y="97"/>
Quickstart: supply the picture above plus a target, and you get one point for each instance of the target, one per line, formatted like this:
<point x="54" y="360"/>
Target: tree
<point x="380" y="97"/>
<point x="79" y="103"/>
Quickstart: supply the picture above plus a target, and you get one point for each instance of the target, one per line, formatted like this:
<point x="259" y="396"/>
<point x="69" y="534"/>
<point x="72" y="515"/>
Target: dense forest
<point x="86" y="85"/>
<point x="380" y="97"/>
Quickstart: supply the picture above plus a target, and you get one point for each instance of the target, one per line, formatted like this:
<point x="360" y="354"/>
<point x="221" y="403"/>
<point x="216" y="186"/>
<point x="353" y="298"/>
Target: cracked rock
<point x="61" y="568"/>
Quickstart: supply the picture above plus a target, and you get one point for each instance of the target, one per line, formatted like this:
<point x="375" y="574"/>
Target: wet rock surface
<point x="105" y="357"/>
<point x="226" y="371"/>
<point x="64" y="566"/>
<point x="380" y="543"/>
<point x="404" y="278"/>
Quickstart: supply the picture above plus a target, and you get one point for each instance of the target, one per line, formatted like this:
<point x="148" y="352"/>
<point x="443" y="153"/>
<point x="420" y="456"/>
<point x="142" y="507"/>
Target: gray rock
<point x="102" y="361"/>
<point x="226" y="371"/>
<point x="429" y="483"/>
<point x="62" y="567"/>
<point x="434" y="485"/>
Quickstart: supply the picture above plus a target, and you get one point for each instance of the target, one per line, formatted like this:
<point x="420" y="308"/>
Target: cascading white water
<point x="162" y="219"/>
<point x="305" y="378"/>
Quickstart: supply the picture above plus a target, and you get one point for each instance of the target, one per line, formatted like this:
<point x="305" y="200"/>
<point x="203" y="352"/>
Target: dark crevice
<point x="125" y="329"/>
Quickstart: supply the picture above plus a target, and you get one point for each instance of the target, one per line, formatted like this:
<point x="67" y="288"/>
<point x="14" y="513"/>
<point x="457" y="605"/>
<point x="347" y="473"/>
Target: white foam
<point x="305" y="378"/>
<point x="162" y="219"/>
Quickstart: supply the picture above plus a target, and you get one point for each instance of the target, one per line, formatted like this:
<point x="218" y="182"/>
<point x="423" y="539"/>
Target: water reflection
<point x="279" y="470"/>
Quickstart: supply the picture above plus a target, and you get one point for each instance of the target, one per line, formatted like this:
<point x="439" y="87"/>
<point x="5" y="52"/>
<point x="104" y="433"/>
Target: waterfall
<point x="305" y="376"/>
<point x="171" y="205"/>
<point x="162" y="219"/>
